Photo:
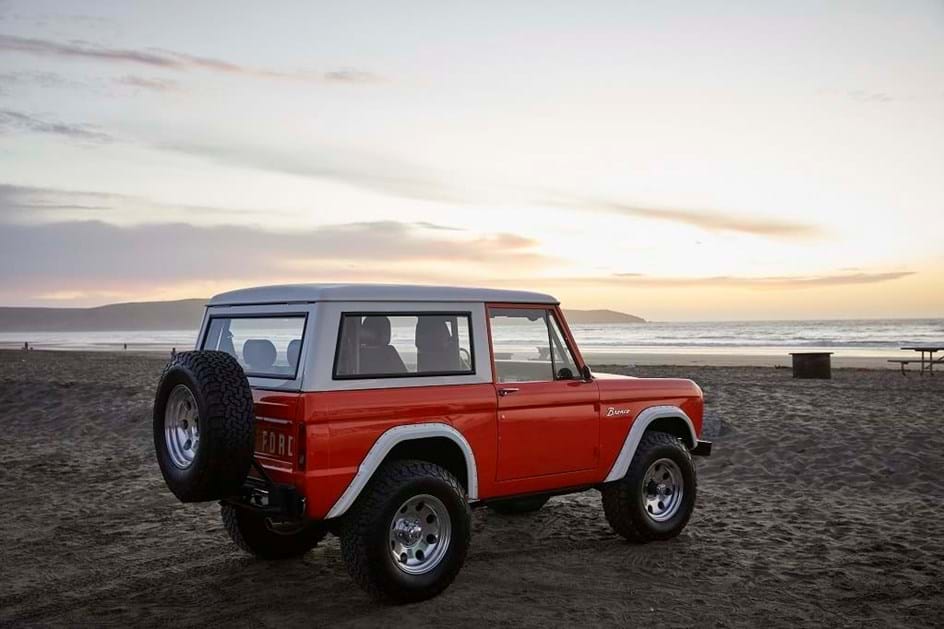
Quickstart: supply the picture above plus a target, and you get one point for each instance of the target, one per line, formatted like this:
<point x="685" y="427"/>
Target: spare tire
<point x="204" y="426"/>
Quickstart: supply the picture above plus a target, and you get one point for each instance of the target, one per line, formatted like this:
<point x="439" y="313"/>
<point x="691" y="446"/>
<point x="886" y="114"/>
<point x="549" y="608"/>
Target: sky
<point x="678" y="161"/>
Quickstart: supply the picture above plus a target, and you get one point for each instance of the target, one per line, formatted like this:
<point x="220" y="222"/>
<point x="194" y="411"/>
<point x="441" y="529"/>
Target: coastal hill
<point x="600" y="316"/>
<point x="185" y="314"/>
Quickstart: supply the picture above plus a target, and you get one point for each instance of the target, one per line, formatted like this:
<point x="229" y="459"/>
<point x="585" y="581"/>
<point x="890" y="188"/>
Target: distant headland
<point x="184" y="314"/>
<point x="600" y="316"/>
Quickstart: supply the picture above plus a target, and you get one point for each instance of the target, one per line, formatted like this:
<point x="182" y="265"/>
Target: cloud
<point x="42" y="79"/>
<point x="350" y="75"/>
<point x="167" y="60"/>
<point x="778" y="282"/>
<point x="156" y="85"/>
<point x="27" y="204"/>
<point x="429" y="225"/>
<point x="355" y="168"/>
<point x="30" y="204"/>
<point x="18" y="121"/>
<point x="865" y="96"/>
<point x="707" y="220"/>
<point x="19" y="202"/>
<point x="38" y="259"/>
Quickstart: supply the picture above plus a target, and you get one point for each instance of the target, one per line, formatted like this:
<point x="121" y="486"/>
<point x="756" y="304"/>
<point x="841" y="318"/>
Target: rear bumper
<point x="702" y="448"/>
<point x="272" y="499"/>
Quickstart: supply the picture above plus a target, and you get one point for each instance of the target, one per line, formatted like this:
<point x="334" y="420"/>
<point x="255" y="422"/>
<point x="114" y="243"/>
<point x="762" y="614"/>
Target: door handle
<point x="506" y="390"/>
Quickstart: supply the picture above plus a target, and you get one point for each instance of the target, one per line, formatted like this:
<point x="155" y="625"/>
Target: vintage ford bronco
<point x="383" y="413"/>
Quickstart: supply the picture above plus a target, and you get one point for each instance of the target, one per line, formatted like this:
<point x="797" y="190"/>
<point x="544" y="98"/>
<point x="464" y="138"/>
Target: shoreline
<point x="594" y="359"/>
<point x="773" y="361"/>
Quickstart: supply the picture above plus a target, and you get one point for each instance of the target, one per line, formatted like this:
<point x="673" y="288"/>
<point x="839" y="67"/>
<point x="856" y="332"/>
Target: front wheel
<point x="656" y="497"/>
<point x="407" y="536"/>
<point x="267" y="538"/>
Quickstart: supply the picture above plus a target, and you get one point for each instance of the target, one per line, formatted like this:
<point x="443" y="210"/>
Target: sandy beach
<point x="821" y="505"/>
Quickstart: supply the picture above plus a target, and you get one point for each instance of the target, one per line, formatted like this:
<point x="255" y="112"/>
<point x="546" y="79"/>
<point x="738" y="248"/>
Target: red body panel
<point x="548" y="428"/>
<point x="543" y="437"/>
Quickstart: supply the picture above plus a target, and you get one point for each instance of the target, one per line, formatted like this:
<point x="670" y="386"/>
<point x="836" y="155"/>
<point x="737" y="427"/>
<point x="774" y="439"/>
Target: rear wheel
<point x="407" y="536"/>
<point x="655" y="499"/>
<point x="517" y="506"/>
<point x="267" y="538"/>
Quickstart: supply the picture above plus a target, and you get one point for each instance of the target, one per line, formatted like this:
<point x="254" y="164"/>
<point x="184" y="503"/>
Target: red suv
<point x="384" y="413"/>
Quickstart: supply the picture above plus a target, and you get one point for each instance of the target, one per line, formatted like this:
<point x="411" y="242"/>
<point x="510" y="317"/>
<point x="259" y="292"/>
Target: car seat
<point x="377" y="356"/>
<point x="259" y="355"/>
<point x="436" y="349"/>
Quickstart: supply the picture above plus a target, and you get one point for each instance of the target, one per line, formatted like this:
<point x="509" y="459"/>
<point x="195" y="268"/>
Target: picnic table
<point x="927" y="357"/>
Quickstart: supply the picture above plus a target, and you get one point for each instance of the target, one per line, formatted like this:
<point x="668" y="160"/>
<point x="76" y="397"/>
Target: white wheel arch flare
<point x="638" y="429"/>
<point x="386" y="442"/>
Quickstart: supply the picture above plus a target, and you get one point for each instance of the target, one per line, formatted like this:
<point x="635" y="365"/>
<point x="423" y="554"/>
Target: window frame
<point x="552" y="315"/>
<point x="550" y="312"/>
<point x="467" y="314"/>
<point x="271" y="315"/>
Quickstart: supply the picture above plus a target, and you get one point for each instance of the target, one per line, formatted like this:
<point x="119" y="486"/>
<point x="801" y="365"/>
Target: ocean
<point x="850" y="338"/>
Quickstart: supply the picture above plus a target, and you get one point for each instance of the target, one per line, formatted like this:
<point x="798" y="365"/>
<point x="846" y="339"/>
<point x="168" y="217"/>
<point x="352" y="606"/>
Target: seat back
<point x="436" y="349"/>
<point x="259" y="354"/>
<point x="377" y="356"/>
<point x="292" y="351"/>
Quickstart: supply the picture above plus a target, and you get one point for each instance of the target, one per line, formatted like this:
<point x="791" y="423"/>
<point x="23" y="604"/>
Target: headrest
<point x="375" y="331"/>
<point x="259" y="354"/>
<point x="294" y="347"/>
<point x="432" y="334"/>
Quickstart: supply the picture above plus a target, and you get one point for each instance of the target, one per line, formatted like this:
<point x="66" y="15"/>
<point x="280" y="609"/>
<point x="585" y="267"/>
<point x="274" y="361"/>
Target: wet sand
<point x="821" y="505"/>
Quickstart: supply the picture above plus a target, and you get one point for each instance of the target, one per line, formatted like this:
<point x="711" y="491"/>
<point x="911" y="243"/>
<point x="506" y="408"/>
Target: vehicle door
<point x="548" y="415"/>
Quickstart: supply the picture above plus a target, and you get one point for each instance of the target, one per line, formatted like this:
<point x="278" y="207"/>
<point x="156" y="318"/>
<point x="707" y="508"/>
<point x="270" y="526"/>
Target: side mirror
<point x="585" y="372"/>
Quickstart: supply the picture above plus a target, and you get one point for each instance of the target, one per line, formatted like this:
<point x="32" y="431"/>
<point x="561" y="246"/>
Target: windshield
<point x="266" y="347"/>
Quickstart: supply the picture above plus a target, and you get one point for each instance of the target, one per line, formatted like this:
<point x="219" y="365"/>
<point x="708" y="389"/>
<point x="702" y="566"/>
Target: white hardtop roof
<point x="303" y="293"/>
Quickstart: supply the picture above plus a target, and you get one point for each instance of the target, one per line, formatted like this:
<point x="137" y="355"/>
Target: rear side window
<point x="391" y="345"/>
<point x="266" y="347"/>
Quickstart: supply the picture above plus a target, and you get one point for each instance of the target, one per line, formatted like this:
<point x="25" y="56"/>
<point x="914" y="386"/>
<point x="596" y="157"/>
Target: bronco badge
<point x="617" y="412"/>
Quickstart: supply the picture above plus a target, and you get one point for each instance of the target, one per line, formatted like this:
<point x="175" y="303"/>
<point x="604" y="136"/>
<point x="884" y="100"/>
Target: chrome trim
<point x="273" y="420"/>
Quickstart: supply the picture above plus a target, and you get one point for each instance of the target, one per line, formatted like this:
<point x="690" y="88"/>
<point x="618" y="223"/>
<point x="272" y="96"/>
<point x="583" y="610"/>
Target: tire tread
<point x="227" y="430"/>
<point x="360" y="523"/>
<point x="251" y="536"/>
<point x="619" y="496"/>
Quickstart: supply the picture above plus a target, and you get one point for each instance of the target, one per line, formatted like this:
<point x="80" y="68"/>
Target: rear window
<point x="266" y="347"/>
<point x="391" y="345"/>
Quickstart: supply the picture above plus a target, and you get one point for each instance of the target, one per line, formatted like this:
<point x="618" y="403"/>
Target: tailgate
<point x="280" y="442"/>
<point x="276" y="443"/>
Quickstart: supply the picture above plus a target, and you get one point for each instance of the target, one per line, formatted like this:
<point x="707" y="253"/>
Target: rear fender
<point x="386" y="442"/>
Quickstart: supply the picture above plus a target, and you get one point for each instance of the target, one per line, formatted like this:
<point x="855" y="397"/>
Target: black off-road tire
<point x="519" y="506"/>
<point x="226" y="425"/>
<point x="623" y="500"/>
<point x="259" y="536"/>
<point x="365" y="531"/>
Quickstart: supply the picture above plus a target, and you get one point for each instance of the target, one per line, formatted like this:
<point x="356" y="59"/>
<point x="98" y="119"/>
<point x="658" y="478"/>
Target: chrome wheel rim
<point x="420" y="532"/>
<point x="663" y="489"/>
<point x="182" y="427"/>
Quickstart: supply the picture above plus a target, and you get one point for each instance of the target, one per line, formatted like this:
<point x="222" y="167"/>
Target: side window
<point x="390" y="345"/>
<point x="528" y="346"/>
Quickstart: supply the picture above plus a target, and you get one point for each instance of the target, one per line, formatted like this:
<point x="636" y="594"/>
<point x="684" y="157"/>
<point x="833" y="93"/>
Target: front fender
<point x="638" y="429"/>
